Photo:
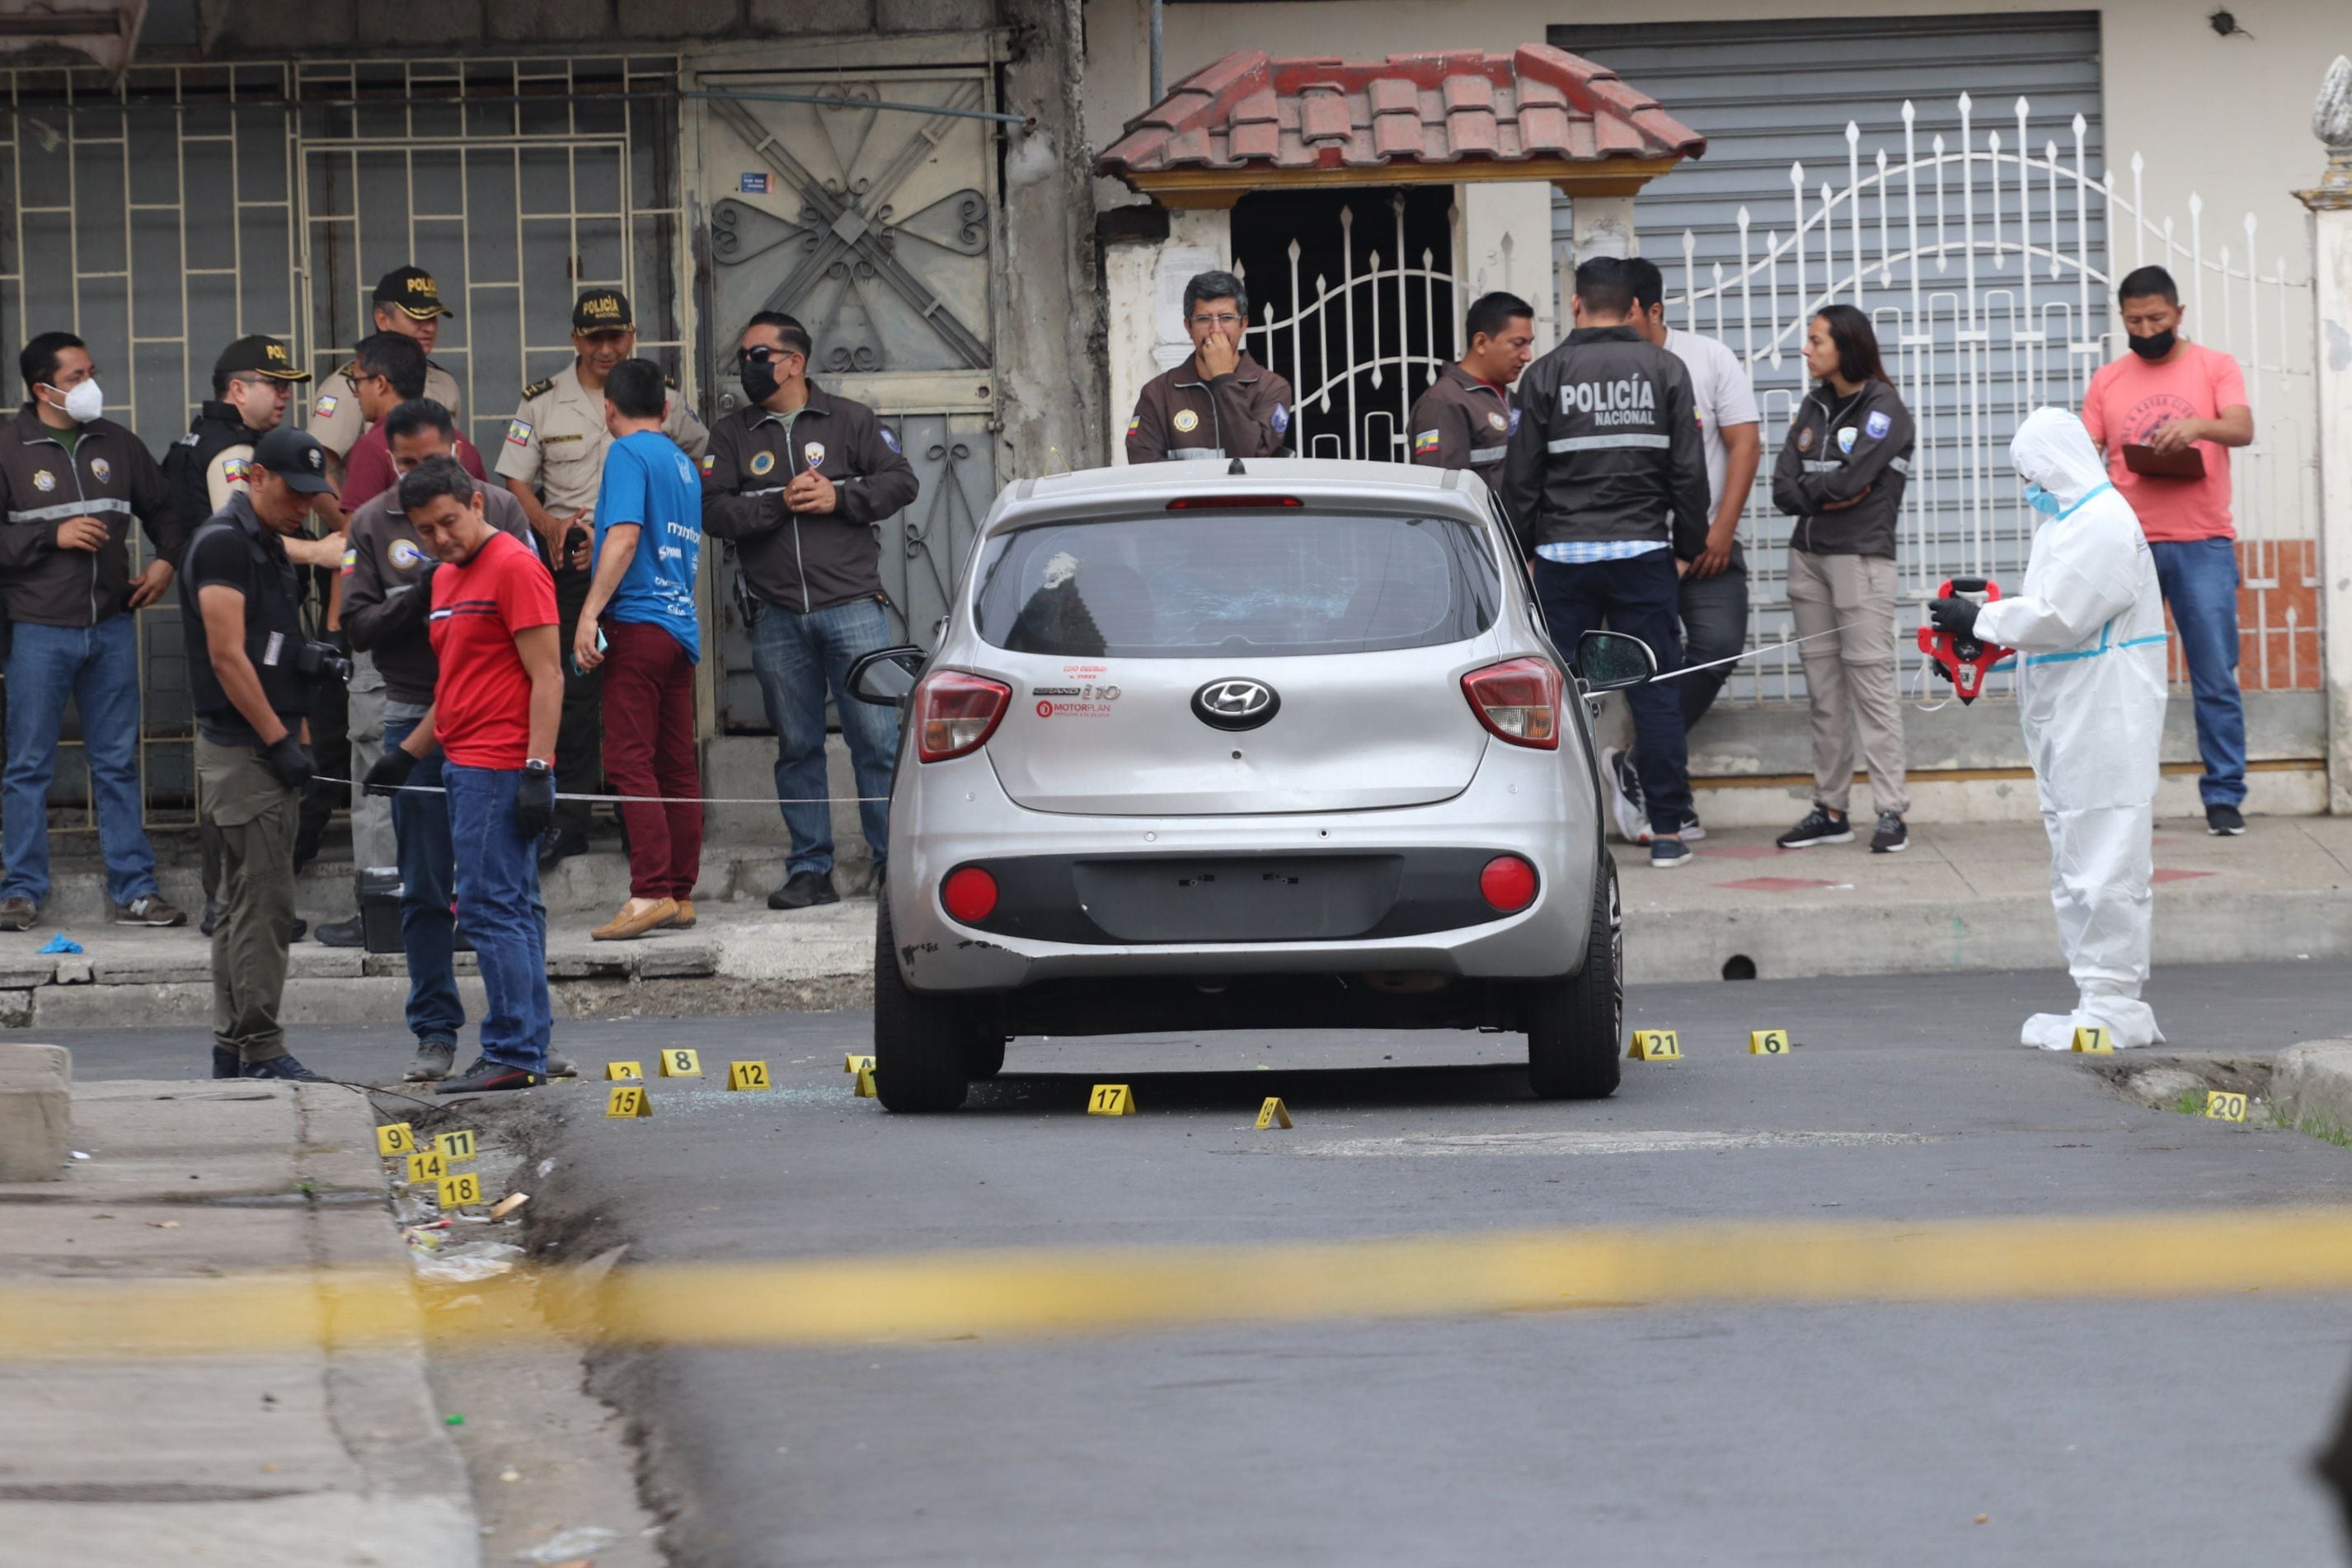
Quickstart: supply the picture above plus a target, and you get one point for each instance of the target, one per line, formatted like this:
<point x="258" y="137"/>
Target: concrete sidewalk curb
<point x="35" y="1112"/>
<point x="2311" y="1086"/>
<point x="305" y="1456"/>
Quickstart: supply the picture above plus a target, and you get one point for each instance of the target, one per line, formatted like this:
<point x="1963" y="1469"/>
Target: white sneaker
<point x="1625" y="790"/>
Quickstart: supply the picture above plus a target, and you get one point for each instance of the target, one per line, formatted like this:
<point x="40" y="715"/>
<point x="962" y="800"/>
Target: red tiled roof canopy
<point x="1251" y="121"/>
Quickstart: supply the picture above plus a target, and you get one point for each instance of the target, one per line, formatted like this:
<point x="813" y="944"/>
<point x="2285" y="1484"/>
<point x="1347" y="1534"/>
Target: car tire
<point x="1573" y="1024"/>
<point x="919" y="1041"/>
<point x="983" y="1056"/>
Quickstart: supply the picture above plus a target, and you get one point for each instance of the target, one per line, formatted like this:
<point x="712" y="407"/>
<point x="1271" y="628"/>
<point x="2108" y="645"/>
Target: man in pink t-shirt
<point x="2181" y="400"/>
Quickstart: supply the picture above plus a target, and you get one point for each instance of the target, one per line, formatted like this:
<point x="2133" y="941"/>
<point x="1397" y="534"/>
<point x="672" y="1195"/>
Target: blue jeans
<point x="2200" y="579"/>
<point x="498" y="887"/>
<point x="1638" y="597"/>
<point x="98" y="667"/>
<point x="797" y="659"/>
<point x="420" y="824"/>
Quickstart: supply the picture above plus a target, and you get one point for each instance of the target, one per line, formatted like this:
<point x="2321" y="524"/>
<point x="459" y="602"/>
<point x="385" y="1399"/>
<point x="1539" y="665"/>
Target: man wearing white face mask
<point x="2089" y="631"/>
<point x="70" y="484"/>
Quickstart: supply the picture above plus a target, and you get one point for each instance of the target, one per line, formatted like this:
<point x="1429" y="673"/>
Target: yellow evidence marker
<point x="748" y="1075"/>
<point x="1273" y="1113"/>
<point x="425" y="1167"/>
<point x="455" y="1146"/>
<point x="617" y="1072"/>
<point x="1111" y="1100"/>
<point x="680" y="1063"/>
<point x="1656" y="1046"/>
<point x="628" y="1099"/>
<point x="459" y="1190"/>
<point x="2094" y="1041"/>
<point x="1768" y="1042"/>
<point x="395" y="1138"/>
<point x="866" y="1090"/>
<point x="857" y="1064"/>
<point x="2223" y="1106"/>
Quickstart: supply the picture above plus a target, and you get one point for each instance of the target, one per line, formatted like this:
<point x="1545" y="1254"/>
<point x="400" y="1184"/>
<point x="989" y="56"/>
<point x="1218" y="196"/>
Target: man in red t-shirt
<point x="2167" y="414"/>
<point x="495" y="709"/>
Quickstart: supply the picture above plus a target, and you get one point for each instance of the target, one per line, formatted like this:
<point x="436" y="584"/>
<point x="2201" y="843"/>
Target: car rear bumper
<point x="1369" y="892"/>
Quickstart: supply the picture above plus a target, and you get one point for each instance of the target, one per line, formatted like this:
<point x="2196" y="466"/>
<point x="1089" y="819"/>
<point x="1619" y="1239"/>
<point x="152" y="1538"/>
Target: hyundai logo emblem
<point x="1235" y="704"/>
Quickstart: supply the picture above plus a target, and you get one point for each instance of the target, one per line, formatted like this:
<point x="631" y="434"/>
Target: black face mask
<point x="2153" y="346"/>
<point x="759" y="381"/>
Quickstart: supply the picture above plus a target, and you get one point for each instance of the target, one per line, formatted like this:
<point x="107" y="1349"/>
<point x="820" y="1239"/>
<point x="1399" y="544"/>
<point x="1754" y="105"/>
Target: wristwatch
<point x="534" y="765"/>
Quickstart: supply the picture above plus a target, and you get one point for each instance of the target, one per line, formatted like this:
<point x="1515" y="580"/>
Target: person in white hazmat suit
<point x="2088" y="628"/>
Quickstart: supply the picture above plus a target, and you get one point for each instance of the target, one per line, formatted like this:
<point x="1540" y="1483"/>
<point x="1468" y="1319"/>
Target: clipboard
<point x="2189" y="463"/>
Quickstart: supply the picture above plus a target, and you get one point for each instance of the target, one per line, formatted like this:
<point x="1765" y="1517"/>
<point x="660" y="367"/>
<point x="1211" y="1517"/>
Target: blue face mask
<point x="2042" y="500"/>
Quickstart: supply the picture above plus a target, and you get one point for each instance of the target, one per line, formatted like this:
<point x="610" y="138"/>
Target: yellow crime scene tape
<point x="1102" y="1291"/>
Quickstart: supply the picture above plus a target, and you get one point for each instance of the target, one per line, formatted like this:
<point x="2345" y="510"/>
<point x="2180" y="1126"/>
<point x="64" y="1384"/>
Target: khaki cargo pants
<point x="1849" y="675"/>
<point x="254" y="817"/>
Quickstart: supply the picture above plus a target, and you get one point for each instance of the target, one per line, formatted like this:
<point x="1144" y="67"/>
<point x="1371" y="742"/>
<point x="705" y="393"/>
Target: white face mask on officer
<point x="84" y="402"/>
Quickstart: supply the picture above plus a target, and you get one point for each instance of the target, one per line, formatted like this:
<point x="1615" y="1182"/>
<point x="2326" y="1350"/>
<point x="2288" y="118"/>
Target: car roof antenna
<point x="1237" y="468"/>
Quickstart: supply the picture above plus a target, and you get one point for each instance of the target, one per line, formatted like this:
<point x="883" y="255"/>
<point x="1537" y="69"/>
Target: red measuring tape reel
<point x="1963" y="661"/>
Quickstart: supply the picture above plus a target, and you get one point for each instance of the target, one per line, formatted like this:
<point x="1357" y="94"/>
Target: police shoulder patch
<point x="539" y="389"/>
<point x="1877" y="425"/>
<point x="1425" y="441"/>
<point x="891" y="441"/>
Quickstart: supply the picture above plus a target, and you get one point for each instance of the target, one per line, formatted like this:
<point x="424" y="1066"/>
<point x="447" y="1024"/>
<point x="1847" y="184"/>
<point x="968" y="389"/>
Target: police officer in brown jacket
<point x="1465" y="419"/>
<point x="796" y="479"/>
<point x="1220" y="403"/>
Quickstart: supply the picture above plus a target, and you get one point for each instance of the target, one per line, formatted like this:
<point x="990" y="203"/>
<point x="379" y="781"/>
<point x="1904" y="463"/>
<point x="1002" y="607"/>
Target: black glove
<point x="391" y="770"/>
<point x="1958" y="616"/>
<point x="535" y="801"/>
<point x="290" y="760"/>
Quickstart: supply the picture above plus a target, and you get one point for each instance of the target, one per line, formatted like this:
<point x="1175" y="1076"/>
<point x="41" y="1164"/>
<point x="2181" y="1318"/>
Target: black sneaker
<point x="340" y="933"/>
<point x="561" y="844"/>
<point x="1892" y="837"/>
<point x="2224" y="821"/>
<point x="284" y="1066"/>
<point x="487" y="1076"/>
<point x="804" y="890"/>
<point x="1666" y="854"/>
<point x="212" y="916"/>
<point x="434" y="1059"/>
<point x="1819" y="827"/>
<point x="227" y="1064"/>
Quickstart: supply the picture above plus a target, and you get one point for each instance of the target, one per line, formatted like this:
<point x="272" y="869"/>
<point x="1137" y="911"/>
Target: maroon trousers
<point x="649" y="751"/>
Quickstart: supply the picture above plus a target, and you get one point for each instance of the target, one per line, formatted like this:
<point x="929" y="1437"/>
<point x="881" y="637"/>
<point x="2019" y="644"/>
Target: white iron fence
<point x="1988" y="270"/>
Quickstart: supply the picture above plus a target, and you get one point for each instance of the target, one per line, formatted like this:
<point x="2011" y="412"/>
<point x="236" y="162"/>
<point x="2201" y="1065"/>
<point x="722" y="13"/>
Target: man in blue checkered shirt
<point x="1605" y="481"/>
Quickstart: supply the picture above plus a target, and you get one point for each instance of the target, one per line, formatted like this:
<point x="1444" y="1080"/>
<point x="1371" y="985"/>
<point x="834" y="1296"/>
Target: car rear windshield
<point x="1189" y="585"/>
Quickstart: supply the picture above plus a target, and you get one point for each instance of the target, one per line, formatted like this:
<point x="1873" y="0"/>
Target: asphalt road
<point x="2175" y="1432"/>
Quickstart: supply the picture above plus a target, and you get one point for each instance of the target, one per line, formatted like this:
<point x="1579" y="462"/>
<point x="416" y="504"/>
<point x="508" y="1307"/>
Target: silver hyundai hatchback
<point x="1263" y="744"/>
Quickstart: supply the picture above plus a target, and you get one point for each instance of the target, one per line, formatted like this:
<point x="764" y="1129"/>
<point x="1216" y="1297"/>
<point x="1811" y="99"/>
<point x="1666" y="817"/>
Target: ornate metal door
<point x="864" y="205"/>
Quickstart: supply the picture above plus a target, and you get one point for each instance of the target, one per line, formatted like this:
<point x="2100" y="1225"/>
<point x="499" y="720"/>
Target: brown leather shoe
<point x="624" y="926"/>
<point x="685" y="916"/>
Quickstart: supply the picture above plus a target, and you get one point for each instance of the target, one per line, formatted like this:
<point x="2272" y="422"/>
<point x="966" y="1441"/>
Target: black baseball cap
<point x="257" y="355"/>
<point x="411" y="291"/>
<point x="603" y="310"/>
<point x="296" y="456"/>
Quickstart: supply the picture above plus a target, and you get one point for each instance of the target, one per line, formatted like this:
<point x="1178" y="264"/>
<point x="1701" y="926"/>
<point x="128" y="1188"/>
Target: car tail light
<point x="969" y="894"/>
<point x="1508" y="883"/>
<point x="1230" y="503"/>
<point x="956" y="713"/>
<point x="1518" y="701"/>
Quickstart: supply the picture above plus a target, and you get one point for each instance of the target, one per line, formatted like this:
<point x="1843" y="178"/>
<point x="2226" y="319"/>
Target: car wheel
<point x="1573" y="1025"/>
<point x="918" y="1041"/>
<point x="983" y="1056"/>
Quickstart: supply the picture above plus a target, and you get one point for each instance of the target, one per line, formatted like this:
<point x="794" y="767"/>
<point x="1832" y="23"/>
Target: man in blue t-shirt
<point x="640" y="624"/>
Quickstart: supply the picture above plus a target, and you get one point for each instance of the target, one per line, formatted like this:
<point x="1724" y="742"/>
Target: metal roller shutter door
<point x="1770" y="95"/>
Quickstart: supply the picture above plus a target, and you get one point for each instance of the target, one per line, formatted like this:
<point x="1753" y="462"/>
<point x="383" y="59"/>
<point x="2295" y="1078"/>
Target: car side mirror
<point x="886" y="676"/>
<point x="1612" y="662"/>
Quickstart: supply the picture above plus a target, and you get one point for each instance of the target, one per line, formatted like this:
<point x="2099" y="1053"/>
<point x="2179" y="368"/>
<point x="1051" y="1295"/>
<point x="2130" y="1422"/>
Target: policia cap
<point x="603" y="310"/>
<point x="411" y="291"/>
<point x="257" y="355"/>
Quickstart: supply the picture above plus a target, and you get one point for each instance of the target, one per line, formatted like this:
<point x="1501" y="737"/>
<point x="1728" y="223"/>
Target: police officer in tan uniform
<point x="407" y="301"/>
<point x="553" y="459"/>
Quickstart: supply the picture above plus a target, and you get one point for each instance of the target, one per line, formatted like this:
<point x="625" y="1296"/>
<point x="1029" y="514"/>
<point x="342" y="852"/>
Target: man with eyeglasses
<point x="253" y="384"/>
<point x="796" y="479"/>
<point x="1220" y="403"/>
<point x="552" y="461"/>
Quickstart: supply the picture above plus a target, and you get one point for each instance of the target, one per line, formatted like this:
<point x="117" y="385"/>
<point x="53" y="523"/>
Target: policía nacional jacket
<point x="802" y="562"/>
<point x="1839" y="448"/>
<point x="1608" y="447"/>
<point x="111" y="476"/>
<point x="1244" y="413"/>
